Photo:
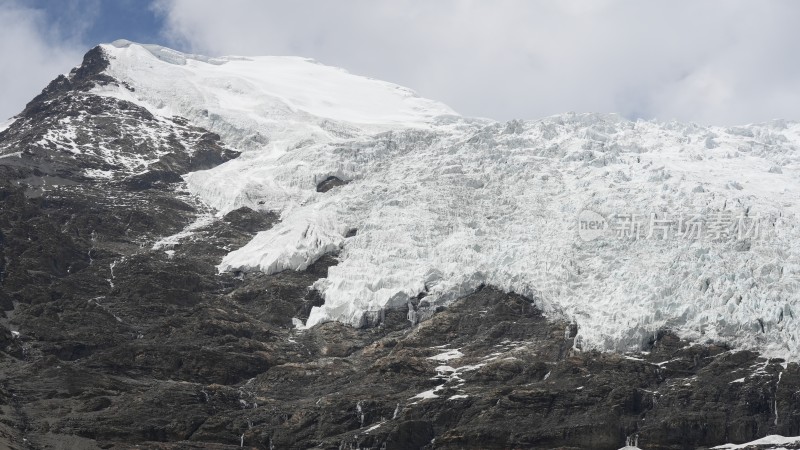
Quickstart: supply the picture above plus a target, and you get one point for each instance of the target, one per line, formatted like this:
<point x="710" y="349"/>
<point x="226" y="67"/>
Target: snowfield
<point x="775" y="442"/>
<point x="443" y="204"/>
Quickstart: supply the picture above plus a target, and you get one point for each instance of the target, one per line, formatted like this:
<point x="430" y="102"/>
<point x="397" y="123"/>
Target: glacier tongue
<point x="443" y="204"/>
<point x="445" y="210"/>
<point x="293" y="244"/>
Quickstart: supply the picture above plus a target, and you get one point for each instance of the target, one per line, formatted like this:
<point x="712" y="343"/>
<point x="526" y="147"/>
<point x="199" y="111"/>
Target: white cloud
<point x="32" y="54"/>
<point x="725" y="61"/>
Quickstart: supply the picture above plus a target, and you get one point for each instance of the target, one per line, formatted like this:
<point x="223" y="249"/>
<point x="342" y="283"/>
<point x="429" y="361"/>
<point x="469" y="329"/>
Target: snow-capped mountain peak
<point x="625" y="227"/>
<point x="270" y="102"/>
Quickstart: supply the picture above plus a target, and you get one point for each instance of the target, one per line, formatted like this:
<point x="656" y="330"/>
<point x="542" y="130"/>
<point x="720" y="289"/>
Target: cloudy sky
<point x="712" y="62"/>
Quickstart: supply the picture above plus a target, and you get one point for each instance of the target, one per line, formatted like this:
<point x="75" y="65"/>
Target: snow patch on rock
<point x="771" y="440"/>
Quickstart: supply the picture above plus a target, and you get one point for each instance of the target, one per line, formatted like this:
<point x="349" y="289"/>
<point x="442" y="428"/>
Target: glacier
<point x="442" y="204"/>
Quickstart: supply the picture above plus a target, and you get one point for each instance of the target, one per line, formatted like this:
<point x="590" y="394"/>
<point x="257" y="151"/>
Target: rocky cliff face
<point x="117" y="331"/>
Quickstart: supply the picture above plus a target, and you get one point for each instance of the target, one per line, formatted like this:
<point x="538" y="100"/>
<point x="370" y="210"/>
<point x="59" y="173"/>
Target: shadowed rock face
<point x="329" y="183"/>
<point x="110" y="341"/>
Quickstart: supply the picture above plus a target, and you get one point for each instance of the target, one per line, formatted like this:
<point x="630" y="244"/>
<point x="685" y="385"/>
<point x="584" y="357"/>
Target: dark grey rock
<point x="329" y="183"/>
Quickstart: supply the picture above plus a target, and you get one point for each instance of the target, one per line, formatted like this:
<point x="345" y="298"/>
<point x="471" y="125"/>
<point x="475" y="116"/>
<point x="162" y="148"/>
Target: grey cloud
<point x="718" y="62"/>
<point x="33" y="53"/>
